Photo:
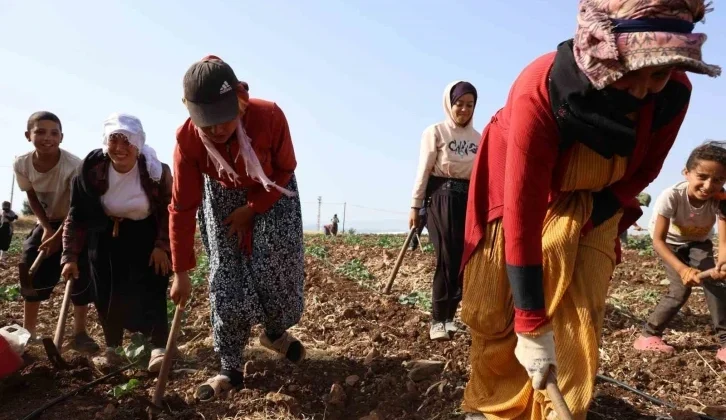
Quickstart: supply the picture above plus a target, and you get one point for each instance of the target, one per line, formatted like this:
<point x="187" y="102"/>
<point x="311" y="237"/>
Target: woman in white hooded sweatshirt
<point x="442" y="184"/>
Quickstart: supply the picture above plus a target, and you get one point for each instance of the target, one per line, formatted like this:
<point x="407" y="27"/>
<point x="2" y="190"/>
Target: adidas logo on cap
<point x="225" y="88"/>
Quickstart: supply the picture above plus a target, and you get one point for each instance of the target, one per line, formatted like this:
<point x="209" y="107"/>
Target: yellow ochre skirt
<point x="577" y="273"/>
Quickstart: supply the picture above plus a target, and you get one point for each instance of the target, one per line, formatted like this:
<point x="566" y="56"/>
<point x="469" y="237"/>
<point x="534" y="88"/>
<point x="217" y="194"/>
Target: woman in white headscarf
<point x="119" y="210"/>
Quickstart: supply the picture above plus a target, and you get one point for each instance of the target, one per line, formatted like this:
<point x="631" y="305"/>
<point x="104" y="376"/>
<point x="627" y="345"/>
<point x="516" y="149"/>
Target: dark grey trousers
<point x="698" y="255"/>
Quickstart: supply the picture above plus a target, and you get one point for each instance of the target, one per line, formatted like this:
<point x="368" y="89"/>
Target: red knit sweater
<point x="518" y="171"/>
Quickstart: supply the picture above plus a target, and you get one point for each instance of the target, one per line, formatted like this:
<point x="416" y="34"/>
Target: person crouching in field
<point x="234" y="168"/>
<point x="7" y="219"/>
<point x="45" y="175"/>
<point x="681" y="227"/>
<point x="119" y="211"/>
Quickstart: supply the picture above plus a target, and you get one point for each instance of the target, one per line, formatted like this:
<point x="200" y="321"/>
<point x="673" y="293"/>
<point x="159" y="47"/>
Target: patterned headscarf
<point x="615" y="37"/>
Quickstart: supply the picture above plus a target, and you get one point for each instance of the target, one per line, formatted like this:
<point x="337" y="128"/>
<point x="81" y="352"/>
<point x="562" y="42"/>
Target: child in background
<point x="681" y="228"/>
<point x="45" y="175"/>
<point x="644" y="200"/>
<point x="6" y="229"/>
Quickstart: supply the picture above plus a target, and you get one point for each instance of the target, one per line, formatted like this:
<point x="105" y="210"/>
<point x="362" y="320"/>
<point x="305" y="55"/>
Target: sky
<point x="359" y="81"/>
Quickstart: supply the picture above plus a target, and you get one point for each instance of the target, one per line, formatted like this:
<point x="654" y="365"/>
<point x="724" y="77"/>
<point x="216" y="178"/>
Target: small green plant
<point x="352" y="231"/>
<point x="427" y="248"/>
<point x="650" y="296"/>
<point x="199" y="275"/>
<point x="389" y="241"/>
<point x="355" y="270"/>
<point x="139" y="348"/>
<point x="9" y="293"/>
<point x="353" y="239"/>
<point x="641" y="243"/>
<point x="417" y="298"/>
<point x="120" y="391"/>
<point x="16" y="244"/>
<point x="317" y="251"/>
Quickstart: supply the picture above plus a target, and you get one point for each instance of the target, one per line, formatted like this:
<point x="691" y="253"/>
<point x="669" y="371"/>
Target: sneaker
<point x="721" y="354"/>
<point x="475" y="416"/>
<point x="156" y="359"/>
<point x="451" y="326"/>
<point x="84" y="343"/>
<point x="438" y="332"/>
<point x="653" y="343"/>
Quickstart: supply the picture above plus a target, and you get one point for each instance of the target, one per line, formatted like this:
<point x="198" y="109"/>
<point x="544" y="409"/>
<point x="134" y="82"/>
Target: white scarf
<point x="131" y="127"/>
<point x="252" y="163"/>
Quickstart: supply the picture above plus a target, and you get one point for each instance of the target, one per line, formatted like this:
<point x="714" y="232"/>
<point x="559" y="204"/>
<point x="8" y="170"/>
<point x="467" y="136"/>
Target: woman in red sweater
<point x="584" y="130"/>
<point x="234" y="163"/>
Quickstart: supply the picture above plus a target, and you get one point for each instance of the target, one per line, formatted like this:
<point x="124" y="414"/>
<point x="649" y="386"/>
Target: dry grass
<point x="24" y="224"/>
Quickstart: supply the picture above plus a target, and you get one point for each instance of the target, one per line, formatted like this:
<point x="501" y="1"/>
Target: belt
<point x="453" y="185"/>
<point x="116" y="222"/>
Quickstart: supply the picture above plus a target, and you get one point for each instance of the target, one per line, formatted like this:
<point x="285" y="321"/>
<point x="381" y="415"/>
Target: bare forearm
<point x="668" y="256"/>
<point x="38" y="211"/>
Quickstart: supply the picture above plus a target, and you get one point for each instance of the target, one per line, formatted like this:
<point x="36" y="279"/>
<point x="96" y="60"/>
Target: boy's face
<point x="45" y="136"/>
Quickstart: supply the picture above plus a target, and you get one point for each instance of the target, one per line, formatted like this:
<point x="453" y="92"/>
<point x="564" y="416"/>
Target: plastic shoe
<point x="653" y="344"/>
<point x="721" y="354"/>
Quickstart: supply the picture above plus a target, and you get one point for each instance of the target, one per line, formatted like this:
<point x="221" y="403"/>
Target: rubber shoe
<point x="653" y="343"/>
<point x="721" y="354"/>
<point x="438" y="332"/>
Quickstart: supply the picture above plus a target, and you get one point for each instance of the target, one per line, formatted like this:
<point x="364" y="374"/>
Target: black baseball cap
<point x="209" y="92"/>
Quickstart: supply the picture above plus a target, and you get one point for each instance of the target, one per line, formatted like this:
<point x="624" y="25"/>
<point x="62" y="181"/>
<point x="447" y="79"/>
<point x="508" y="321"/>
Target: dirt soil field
<point x="363" y="348"/>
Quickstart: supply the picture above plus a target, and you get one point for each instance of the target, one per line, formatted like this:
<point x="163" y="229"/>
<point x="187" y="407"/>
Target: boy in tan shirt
<point x="45" y="174"/>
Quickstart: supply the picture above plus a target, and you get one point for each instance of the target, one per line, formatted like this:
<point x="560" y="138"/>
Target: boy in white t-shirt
<point x="45" y="174"/>
<point x="681" y="228"/>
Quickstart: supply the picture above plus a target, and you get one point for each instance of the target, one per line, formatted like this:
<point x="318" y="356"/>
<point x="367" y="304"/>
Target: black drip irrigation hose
<point x="646" y="396"/>
<point x="67" y="395"/>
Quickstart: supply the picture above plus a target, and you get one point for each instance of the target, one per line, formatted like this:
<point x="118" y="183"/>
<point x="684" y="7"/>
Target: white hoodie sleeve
<point x="426" y="161"/>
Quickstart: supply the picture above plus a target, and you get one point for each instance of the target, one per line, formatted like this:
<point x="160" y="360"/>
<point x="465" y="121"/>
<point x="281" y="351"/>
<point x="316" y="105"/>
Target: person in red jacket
<point x="234" y="164"/>
<point x="584" y="130"/>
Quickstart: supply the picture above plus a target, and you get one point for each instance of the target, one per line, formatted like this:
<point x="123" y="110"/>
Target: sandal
<point x="282" y="345"/>
<point x="652" y="343"/>
<point x="213" y="387"/>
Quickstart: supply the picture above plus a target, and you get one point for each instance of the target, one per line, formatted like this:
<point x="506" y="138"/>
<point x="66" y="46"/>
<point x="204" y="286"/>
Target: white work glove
<point x="537" y="355"/>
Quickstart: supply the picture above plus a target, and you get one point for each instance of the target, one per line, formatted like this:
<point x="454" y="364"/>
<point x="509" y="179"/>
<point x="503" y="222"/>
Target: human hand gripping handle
<point x="690" y="276"/>
<point x="51" y="242"/>
<point x="70" y="271"/>
<point x="536" y="353"/>
<point x="414" y="218"/>
<point x="181" y="289"/>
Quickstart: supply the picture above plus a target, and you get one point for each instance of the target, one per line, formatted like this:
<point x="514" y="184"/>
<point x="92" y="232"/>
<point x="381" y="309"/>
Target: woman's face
<point x="640" y="83"/>
<point x="122" y="153"/>
<point x="220" y="133"/>
<point x="463" y="109"/>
